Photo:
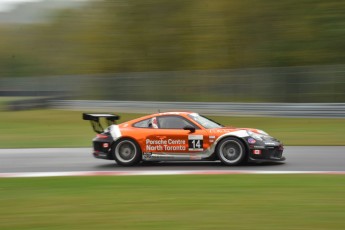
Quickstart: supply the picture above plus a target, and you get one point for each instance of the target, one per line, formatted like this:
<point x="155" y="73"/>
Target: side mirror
<point x="190" y="128"/>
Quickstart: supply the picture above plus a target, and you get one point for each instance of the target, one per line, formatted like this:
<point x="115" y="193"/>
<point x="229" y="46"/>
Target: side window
<point x="173" y="122"/>
<point x="143" y="124"/>
<point x="147" y="123"/>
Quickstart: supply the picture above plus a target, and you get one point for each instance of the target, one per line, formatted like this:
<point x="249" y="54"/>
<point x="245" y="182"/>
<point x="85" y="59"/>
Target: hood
<point x="224" y="130"/>
<point x="232" y="129"/>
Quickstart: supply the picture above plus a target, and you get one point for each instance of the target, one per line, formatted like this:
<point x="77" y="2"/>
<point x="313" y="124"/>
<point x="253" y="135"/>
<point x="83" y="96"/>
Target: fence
<point x="332" y="110"/>
<point x="314" y="84"/>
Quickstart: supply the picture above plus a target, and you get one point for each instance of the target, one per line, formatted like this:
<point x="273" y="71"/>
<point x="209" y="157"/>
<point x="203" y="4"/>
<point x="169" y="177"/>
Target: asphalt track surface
<point x="299" y="158"/>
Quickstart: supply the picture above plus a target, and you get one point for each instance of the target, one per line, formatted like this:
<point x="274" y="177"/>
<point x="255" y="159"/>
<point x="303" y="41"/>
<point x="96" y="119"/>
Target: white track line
<point x="167" y="172"/>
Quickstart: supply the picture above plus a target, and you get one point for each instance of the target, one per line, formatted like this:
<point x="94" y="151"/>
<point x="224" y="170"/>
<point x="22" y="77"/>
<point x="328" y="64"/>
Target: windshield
<point x="204" y="121"/>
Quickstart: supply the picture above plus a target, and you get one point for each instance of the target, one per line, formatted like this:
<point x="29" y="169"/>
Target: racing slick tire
<point x="231" y="151"/>
<point x="127" y="152"/>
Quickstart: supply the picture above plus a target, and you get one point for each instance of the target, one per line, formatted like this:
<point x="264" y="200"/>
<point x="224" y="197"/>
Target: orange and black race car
<point x="176" y="136"/>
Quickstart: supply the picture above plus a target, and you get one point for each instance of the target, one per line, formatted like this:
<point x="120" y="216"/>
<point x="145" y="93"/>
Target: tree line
<point x="163" y="35"/>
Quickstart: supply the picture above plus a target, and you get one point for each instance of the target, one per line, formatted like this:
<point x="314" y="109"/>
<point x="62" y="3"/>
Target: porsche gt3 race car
<point x="180" y="136"/>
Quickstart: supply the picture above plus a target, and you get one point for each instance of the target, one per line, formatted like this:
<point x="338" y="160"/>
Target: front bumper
<point x="267" y="154"/>
<point x="267" y="150"/>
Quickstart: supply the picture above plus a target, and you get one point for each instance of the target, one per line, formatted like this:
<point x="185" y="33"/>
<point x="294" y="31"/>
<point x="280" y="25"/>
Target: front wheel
<point x="127" y="152"/>
<point x="231" y="151"/>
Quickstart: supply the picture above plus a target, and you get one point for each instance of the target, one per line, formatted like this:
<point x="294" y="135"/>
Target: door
<point x="173" y="138"/>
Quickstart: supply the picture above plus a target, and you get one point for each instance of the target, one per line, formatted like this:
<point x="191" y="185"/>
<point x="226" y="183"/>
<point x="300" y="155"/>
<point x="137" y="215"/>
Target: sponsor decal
<point x="159" y="145"/>
<point x="105" y="145"/>
<point x="257" y="151"/>
<point x="195" y="142"/>
<point x="251" y="141"/>
<point x="211" y="138"/>
<point x="238" y="133"/>
<point x="221" y="130"/>
<point x="270" y="143"/>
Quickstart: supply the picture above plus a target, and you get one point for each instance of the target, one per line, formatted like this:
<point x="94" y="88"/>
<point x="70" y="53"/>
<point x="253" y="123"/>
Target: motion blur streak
<point x="197" y="50"/>
<point x="51" y="160"/>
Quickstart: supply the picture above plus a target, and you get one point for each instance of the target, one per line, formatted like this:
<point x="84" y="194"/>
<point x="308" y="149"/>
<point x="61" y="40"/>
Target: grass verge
<point x="308" y="202"/>
<point x="56" y="128"/>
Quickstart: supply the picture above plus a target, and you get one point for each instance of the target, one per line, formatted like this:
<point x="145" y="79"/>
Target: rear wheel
<point x="127" y="152"/>
<point x="231" y="151"/>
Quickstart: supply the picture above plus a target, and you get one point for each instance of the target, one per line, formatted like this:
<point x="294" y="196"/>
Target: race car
<point x="179" y="136"/>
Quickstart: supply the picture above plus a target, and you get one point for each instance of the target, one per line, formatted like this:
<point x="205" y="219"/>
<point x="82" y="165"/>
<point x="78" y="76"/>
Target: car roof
<point x="181" y="113"/>
<point x="172" y="113"/>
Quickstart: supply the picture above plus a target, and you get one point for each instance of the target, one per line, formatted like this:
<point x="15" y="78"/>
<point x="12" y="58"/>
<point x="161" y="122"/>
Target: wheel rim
<point x="231" y="151"/>
<point x="125" y="151"/>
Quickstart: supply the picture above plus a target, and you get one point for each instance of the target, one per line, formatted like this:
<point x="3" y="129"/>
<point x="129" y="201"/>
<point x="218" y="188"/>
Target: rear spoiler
<point x="94" y="118"/>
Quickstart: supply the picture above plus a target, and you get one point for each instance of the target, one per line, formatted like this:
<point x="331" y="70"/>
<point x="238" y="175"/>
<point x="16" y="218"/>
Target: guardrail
<point x="331" y="110"/>
<point x="32" y="103"/>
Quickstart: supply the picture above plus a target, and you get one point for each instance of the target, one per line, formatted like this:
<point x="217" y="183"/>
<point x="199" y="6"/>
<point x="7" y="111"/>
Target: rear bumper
<point x="102" y="155"/>
<point x="102" y="148"/>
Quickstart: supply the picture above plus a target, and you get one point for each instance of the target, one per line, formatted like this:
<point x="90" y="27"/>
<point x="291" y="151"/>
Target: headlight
<point x="255" y="135"/>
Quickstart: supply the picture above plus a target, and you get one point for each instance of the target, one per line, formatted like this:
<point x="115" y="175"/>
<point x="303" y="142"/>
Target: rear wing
<point x="94" y="118"/>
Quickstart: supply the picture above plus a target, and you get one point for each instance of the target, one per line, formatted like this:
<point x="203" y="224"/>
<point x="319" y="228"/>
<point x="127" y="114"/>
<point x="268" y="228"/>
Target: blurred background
<point x="181" y="50"/>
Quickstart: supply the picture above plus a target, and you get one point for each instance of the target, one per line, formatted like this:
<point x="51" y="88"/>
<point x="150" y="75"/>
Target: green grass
<point x="56" y="128"/>
<point x="45" y="128"/>
<point x="308" y="202"/>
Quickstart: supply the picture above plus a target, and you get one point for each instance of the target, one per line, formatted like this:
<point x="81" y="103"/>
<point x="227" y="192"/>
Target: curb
<point x="159" y="173"/>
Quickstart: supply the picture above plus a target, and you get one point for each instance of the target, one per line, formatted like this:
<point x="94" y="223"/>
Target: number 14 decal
<point x="195" y="142"/>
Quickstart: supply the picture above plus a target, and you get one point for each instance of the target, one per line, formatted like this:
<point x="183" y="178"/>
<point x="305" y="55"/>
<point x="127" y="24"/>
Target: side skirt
<point x="147" y="156"/>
